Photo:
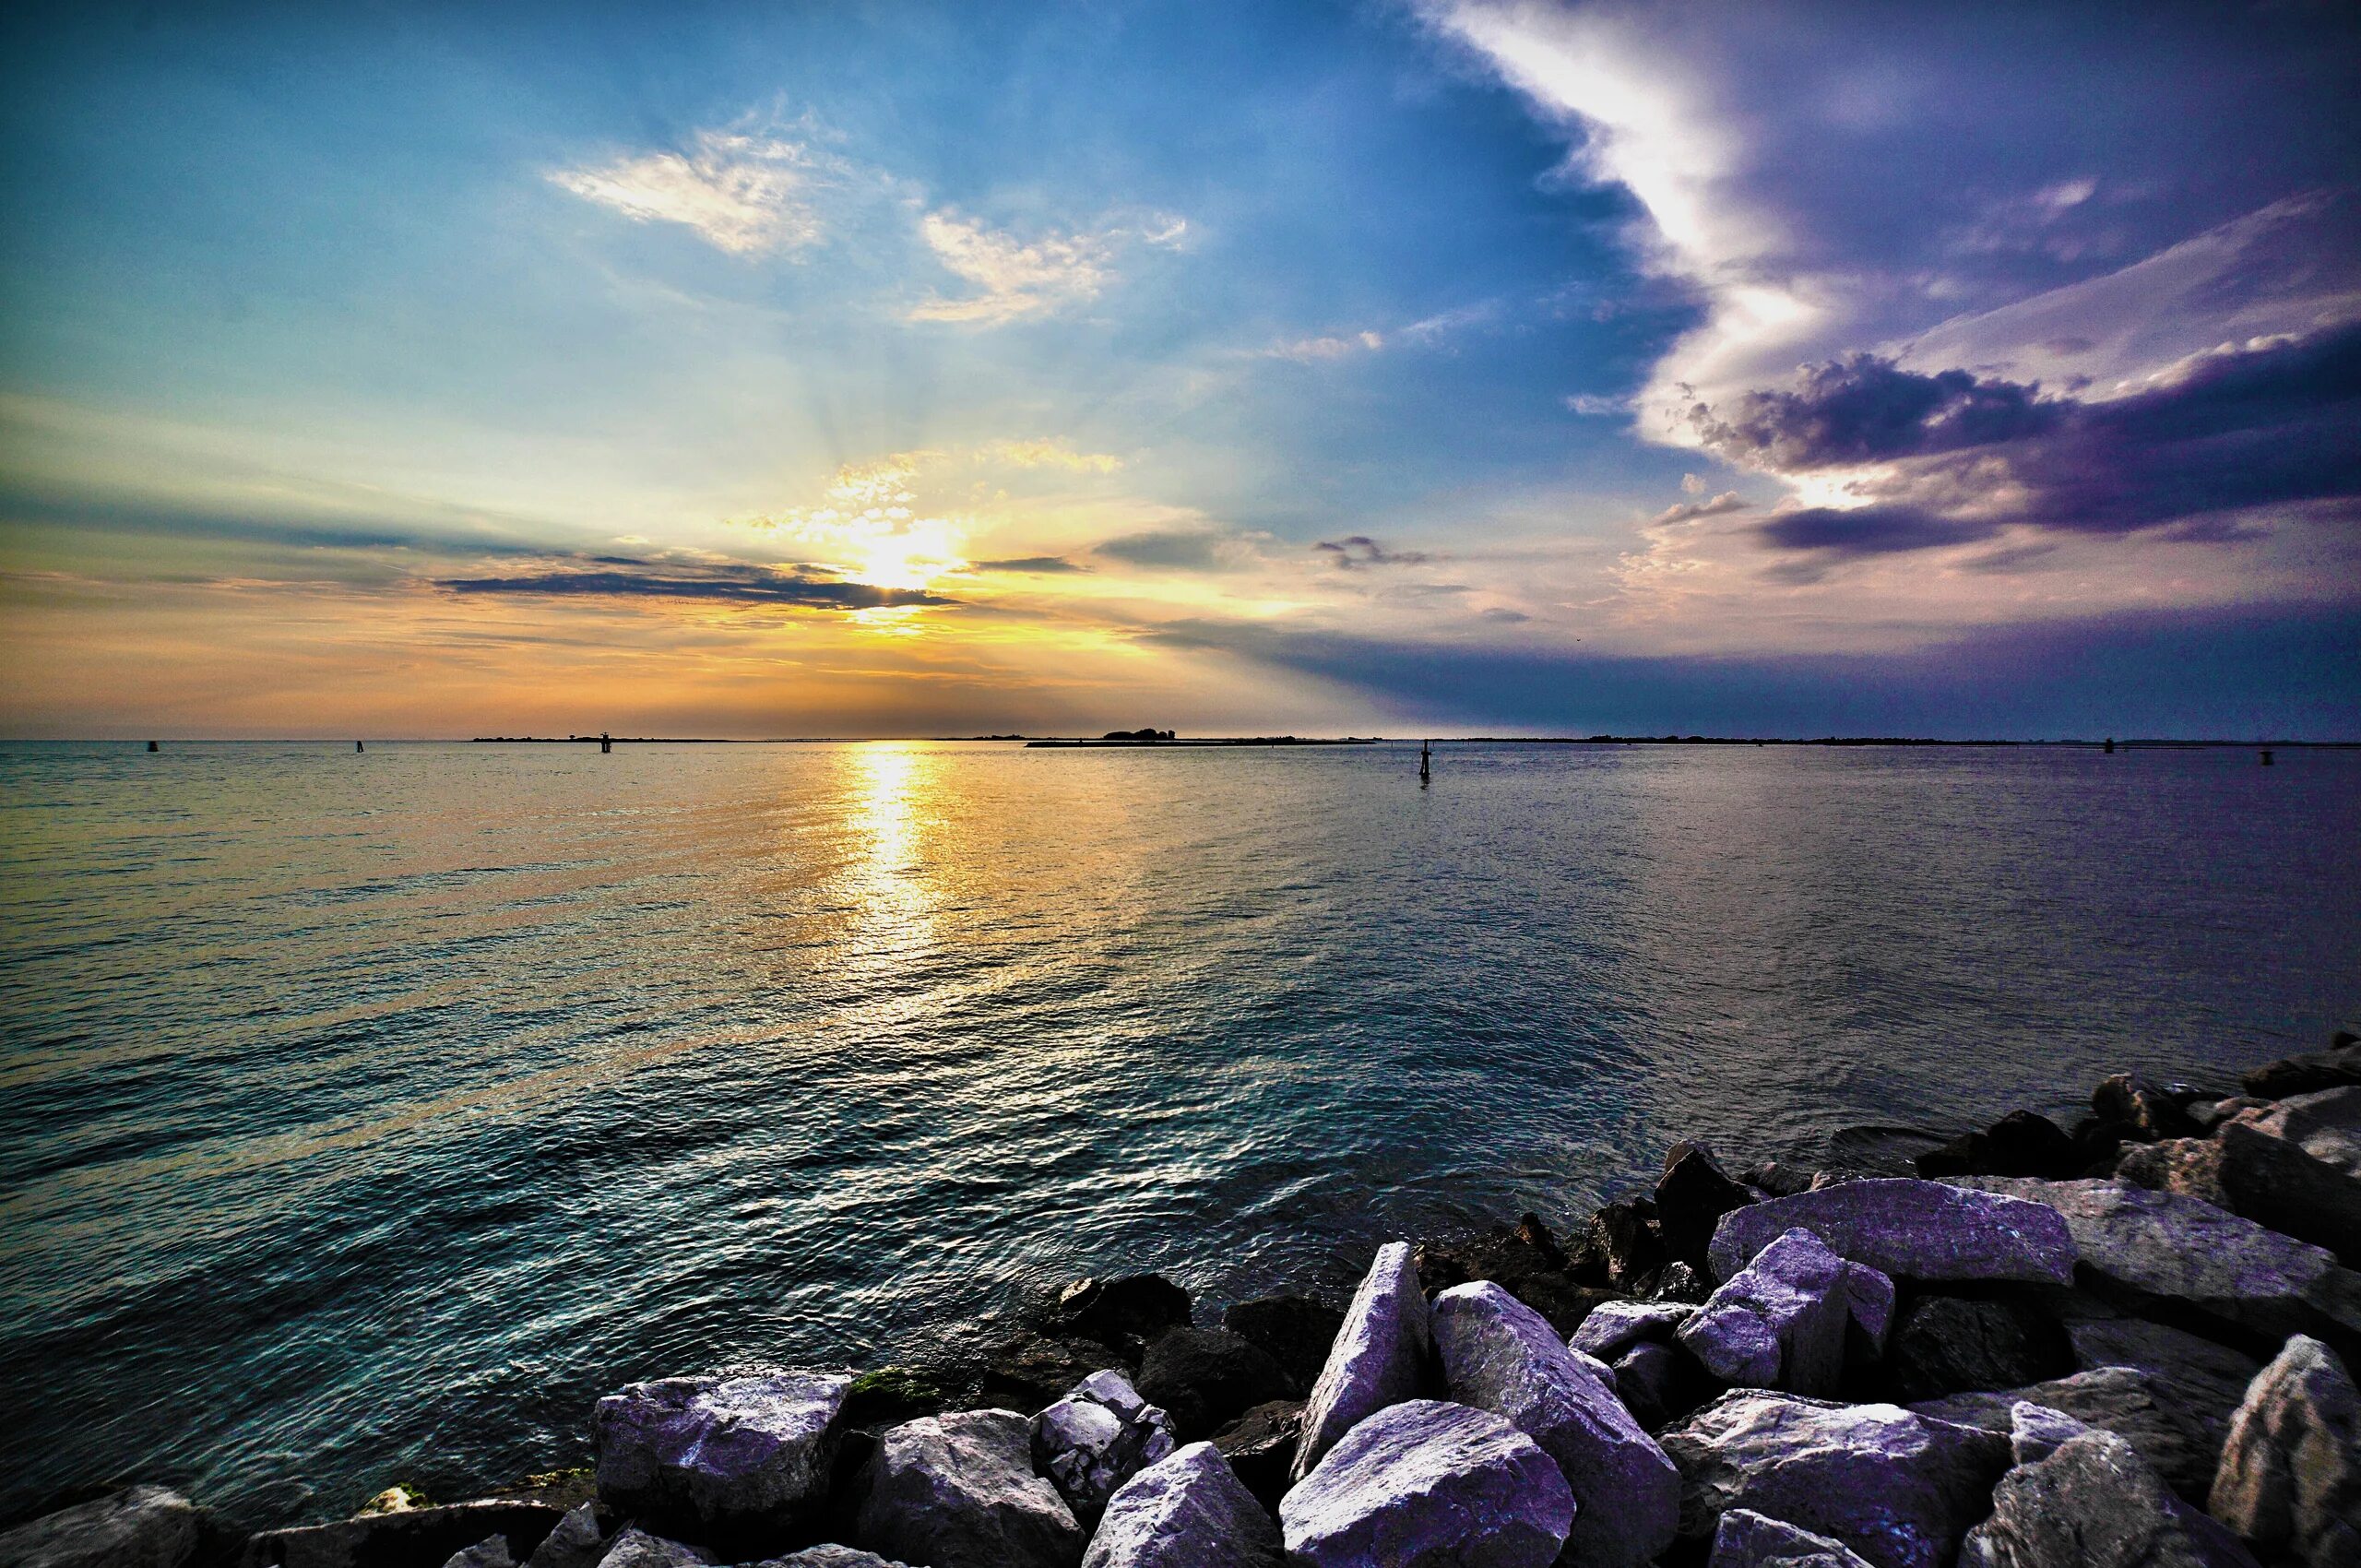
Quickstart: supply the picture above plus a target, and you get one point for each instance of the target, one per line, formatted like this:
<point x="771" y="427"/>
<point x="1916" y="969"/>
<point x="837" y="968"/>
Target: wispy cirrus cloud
<point x="1018" y="279"/>
<point x="622" y="578"/>
<point x="750" y="189"/>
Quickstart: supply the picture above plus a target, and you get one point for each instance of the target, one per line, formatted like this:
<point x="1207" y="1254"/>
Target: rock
<point x="1778" y="1322"/>
<point x="2035" y="1431"/>
<point x="1869" y="1297"/>
<point x="1425" y="1484"/>
<point x="1896" y="1488"/>
<point x="1295" y="1331"/>
<point x="2092" y="1503"/>
<point x="2191" y="1167"/>
<point x="2199" y="1380"/>
<point x="2269" y="1179"/>
<point x="2305" y="1075"/>
<point x="2148" y="1249"/>
<point x="886" y="1397"/>
<point x="1691" y="1196"/>
<point x="1132" y="1306"/>
<point x="1748" y="1539"/>
<point x="2208" y="1116"/>
<point x="724" y="1456"/>
<point x="1030" y="1370"/>
<point x="412" y="1536"/>
<point x="1949" y="1345"/>
<point x="1525" y="1260"/>
<point x="830" y="1557"/>
<point x="140" y="1527"/>
<point x="1907" y="1229"/>
<point x="490" y="1552"/>
<point x="574" y="1542"/>
<point x="2130" y="1099"/>
<point x="1499" y="1355"/>
<point x="1187" y="1511"/>
<point x="1776" y="1181"/>
<point x="1380" y="1357"/>
<point x="637" y="1548"/>
<point x="959" y="1491"/>
<point x="1260" y="1446"/>
<point x="1648" y="1381"/>
<point x="2325" y="1124"/>
<point x="1207" y="1378"/>
<point x="1855" y="1152"/>
<point x="2019" y="1143"/>
<point x="1100" y="1435"/>
<point x="396" y="1499"/>
<point x="2116" y="1399"/>
<point x="1615" y="1326"/>
<point x="1682" y="1282"/>
<point x="1621" y="1247"/>
<point x="2290" y="1481"/>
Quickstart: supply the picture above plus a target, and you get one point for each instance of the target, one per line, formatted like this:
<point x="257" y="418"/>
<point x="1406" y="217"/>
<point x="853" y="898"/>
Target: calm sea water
<point x="363" y="1117"/>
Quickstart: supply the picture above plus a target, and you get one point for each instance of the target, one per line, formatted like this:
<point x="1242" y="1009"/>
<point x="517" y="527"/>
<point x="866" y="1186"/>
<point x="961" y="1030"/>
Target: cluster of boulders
<point x="2125" y="1342"/>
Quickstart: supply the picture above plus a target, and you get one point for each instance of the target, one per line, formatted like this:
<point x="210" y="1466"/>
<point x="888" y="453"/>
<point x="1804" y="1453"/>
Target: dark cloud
<point x="1181" y="550"/>
<point x="1033" y="563"/>
<point x="2269" y="424"/>
<point x="744" y="585"/>
<point x="1357" y="551"/>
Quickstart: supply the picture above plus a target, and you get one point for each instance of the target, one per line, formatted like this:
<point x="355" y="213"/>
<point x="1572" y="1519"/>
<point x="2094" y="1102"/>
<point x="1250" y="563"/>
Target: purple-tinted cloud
<point x="744" y="585"/>
<point x="1357" y="551"/>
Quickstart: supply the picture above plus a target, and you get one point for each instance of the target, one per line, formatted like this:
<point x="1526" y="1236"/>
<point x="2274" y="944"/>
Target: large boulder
<point x="1655" y="1384"/>
<point x="1100" y="1435"/>
<point x="1425" y="1484"/>
<point x="1909" y="1229"/>
<point x="1691" y="1196"/>
<point x="830" y="1557"/>
<point x="490" y="1552"/>
<point x="1748" y="1539"/>
<point x="636" y="1548"/>
<point x="1208" y="1377"/>
<point x="2116" y="1399"/>
<point x="1186" y="1511"/>
<point x="1895" y="1486"/>
<point x="2019" y="1143"/>
<point x="1950" y="1344"/>
<point x="1780" y="1322"/>
<point x="2130" y="1100"/>
<point x="723" y="1456"/>
<point x="1027" y="1371"/>
<point x="1623" y="1247"/>
<point x="1499" y="1355"/>
<point x="1295" y="1331"/>
<point x="2328" y="1069"/>
<point x="2092" y="1503"/>
<point x="1380" y="1357"/>
<point x="1260" y="1446"/>
<point x="959" y="1491"/>
<point x="2199" y="1380"/>
<point x="2149" y="1249"/>
<point x="412" y="1535"/>
<point x="1128" y="1306"/>
<point x="575" y="1542"/>
<point x="2268" y="1179"/>
<point x="1526" y="1260"/>
<point x="2325" y="1124"/>
<point x="2290" y="1481"/>
<point x="140" y="1527"/>
<point x="1615" y="1326"/>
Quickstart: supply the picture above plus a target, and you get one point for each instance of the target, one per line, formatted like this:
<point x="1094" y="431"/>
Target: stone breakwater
<point x="2125" y="1342"/>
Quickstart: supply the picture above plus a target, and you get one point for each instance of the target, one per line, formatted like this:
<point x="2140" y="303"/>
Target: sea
<point x="364" y="1116"/>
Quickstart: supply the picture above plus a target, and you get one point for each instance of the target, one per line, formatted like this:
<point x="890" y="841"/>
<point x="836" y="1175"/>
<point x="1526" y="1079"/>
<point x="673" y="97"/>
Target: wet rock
<point x="1100" y="1435"/>
<point x="2151" y="1249"/>
<point x="830" y="1557"/>
<point x="1949" y="1345"/>
<point x="2276" y="1183"/>
<point x="1295" y="1331"/>
<point x="1380" y="1357"/>
<point x="1621" y="1247"/>
<point x="1260" y="1445"/>
<point x="1879" y="1151"/>
<point x="2290" y="1479"/>
<point x="575" y="1542"/>
<point x="1425" y="1484"/>
<point x="396" y="1499"/>
<point x="2199" y="1380"/>
<point x="1187" y="1511"/>
<point x="2305" y="1075"/>
<point x="140" y="1527"/>
<point x="490" y="1552"/>
<point x="637" y="1548"/>
<point x="2133" y="1101"/>
<point x="2116" y="1399"/>
<point x="1499" y="1355"/>
<point x="1526" y="1260"/>
<point x="1778" y="1322"/>
<point x="1896" y="1488"/>
<point x="1132" y="1306"/>
<point x="2092" y="1503"/>
<point x="1691" y="1196"/>
<point x="1748" y="1539"/>
<point x="1682" y="1282"/>
<point x="1616" y="1326"/>
<point x="2325" y="1124"/>
<point x="886" y="1397"/>
<point x="2191" y="1167"/>
<point x="1907" y="1229"/>
<point x="1207" y="1378"/>
<point x="959" y="1491"/>
<point x="2019" y="1143"/>
<point x="1648" y="1380"/>
<point x="416" y="1535"/>
<point x="1028" y="1370"/>
<point x="1773" y="1178"/>
<point x="721" y="1455"/>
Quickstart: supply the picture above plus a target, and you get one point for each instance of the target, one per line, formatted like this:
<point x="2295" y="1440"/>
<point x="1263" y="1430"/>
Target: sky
<point x="1400" y="366"/>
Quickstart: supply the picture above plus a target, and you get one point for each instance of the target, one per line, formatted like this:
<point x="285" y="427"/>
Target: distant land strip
<point x="1079" y="743"/>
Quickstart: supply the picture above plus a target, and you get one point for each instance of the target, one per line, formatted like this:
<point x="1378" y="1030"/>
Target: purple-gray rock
<point x="637" y="1548"/>
<point x="1100" y="1435"/>
<point x="1748" y="1539"/>
<point x="2201" y="1380"/>
<point x="1897" y="1488"/>
<point x="1951" y="1343"/>
<point x="2269" y="1179"/>
<point x="830" y="1557"/>
<point x="1380" y="1357"/>
<point x="1691" y="1196"/>
<point x="2294" y="1076"/>
<point x="959" y="1491"/>
<point x="490" y="1552"/>
<point x="2094" y="1502"/>
<point x="1907" y="1229"/>
<point x="2116" y="1399"/>
<point x="413" y="1535"/>
<point x="1185" y="1511"/>
<point x="140" y="1527"/>
<point x="2150" y="1248"/>
<point x="1779" y="1322"/>
<point x="2035" y="1431"/>
<point x="2325" y="1124"/>
<point x="721" y="1455"/>
<point x="574" y="1541"/>
<point x="1260" y="1445"/>
<point x="1647" y="1379"/>
<point x="1614" y="1328"/>
<point x="1027" y="1371"/>
<point x="2290" y="1481"/>
<point x="1425" y="1484"/>
<point x="1499" y="1355"/>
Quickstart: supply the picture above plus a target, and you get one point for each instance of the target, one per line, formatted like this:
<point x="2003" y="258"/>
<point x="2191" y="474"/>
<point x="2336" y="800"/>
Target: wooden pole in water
<point x="2110" y="746"/>
<point x="151" y="745"/>
<point x="358" y="747"/>
<point x="1426" y="761"/>
<point x="606" y="742"/>
<point x="2266" y="756"/>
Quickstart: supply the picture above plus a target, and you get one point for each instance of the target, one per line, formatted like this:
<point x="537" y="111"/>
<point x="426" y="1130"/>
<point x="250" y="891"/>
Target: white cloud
<point x="1308" y="351"/>
<point x="1020" y="281"/>
<point x="742" y="190"/>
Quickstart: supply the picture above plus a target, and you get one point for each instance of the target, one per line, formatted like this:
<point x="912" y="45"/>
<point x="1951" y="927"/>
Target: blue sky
<point x="897" y="369"/>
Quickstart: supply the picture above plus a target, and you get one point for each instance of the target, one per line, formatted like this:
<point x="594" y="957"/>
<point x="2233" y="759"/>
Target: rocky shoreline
<point x="2123" y="1342"/>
